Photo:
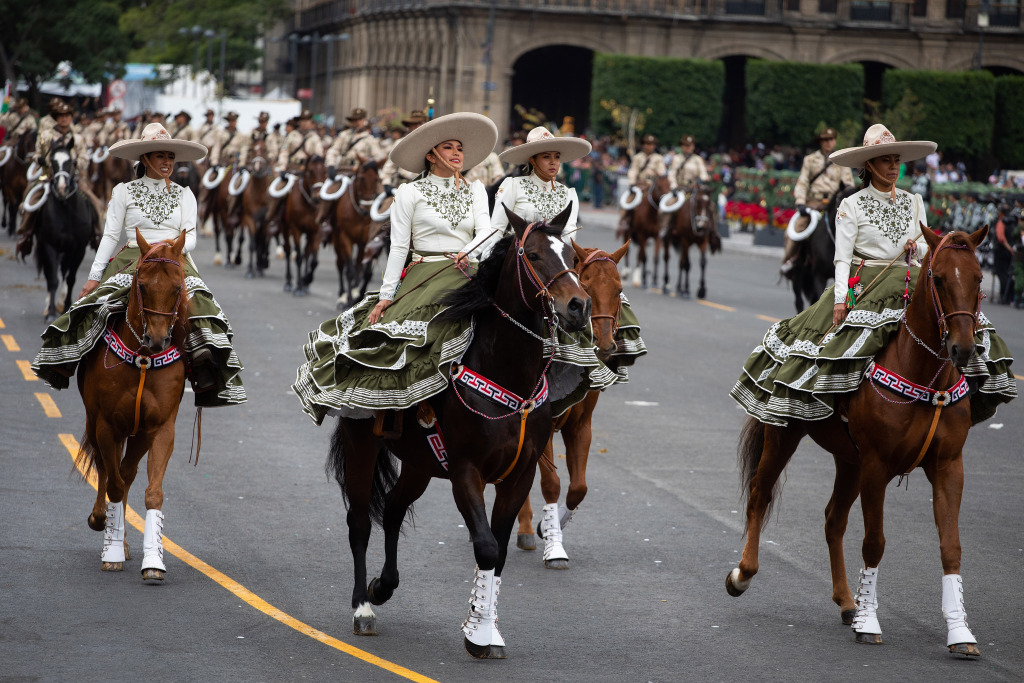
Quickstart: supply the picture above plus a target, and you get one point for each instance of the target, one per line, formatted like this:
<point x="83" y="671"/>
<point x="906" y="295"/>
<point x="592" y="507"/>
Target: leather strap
<point x="143" y="365"/>
<point x="940" y="400"/>
<point x="519" y="448"/>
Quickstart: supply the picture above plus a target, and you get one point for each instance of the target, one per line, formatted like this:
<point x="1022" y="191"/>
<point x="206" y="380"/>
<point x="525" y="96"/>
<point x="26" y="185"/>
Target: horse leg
<point x="639" y="271"/>
<point x="238" y="250"/>
<point x="359" y="446"/>
<point x="287" y="243"/>
<point x="313" y="259"/>
<point x="410" y="486"/>
<point x="108" y="450"/>
<point x="160" y="448"/>
<point x="667" y="258"/>
<point x="683" y="283"/>
<point x="764" y="452"/>
<point x="218" y="257"/>
<point x="844" y="493"/>
<point x="248" y="226"/>
<point x="702" y="291"/>
<point x="550" y="528"/>
<point x="947" y="489"/>
<point x="51" y="271"/>
<point x="874" y="477"/>
<point x="342" y="254"/>
<point x="525" y="538"/>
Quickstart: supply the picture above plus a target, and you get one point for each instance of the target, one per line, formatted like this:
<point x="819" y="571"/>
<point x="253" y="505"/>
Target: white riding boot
<point x="113" y="534"/>
<point x="866" y="618"/>
<point x="953" y="610"/>
<point x="153" y="541"/>
<point x="480" y="627"/>
<point x="551" y="532"/>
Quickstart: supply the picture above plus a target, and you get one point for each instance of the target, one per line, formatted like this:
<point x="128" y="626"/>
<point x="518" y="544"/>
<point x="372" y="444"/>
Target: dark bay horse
<point x="299" y="218"/>
<point x="131" y="402"/>
<point x="527" y="278"/>
<point x="226" y="213"/>
<point x="643" y="227"/>
<point x="885" y="438"/>
<point x="254" y="202"/>
<point x="65" y="228"/>
<point x="813" y="265"/>
<point x="692" y="225"/>
<point x="351" y="226"/>
<point x="599" y="276"/>
<point x="14" y="179"/>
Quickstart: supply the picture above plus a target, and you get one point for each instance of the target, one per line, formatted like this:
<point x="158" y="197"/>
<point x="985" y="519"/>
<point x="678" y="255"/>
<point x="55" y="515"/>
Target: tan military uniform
<point x="685" y="170"/>
<point x="52" y="138"/>
<point x="297" y="149"/>
<point x="46" y="124"/>
<point x="825" y="185"/>
<point x="17" y="125"/>
<point x="351" y="144"/>
<point x="208" y="134"/>
<point x="256" y="135"/>
<point x="394" y="176"/>
<point x="91" y="134"/>
<point x="185" y="132"/>
<point x="228" y="148"/>
<point x="112" y="132"/>
<point x="646" y="169"/>
<point x="488" y="171"/>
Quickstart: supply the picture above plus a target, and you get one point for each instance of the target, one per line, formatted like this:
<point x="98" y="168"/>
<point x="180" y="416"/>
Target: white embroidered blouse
<point x="431" y="215"/>
<point x="870" y="226"/>
<point x="160" y="213"/>
<point x="533" y="199"/>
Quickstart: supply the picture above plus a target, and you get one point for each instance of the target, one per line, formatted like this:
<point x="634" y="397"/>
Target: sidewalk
<point x="739" y="242"/>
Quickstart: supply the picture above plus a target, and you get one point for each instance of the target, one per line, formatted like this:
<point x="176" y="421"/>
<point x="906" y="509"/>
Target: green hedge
<point x="959" y="108"/>
<point x="1008" y="142"/>
<point x="676" y="97"/>
<point x="788" y="101"/>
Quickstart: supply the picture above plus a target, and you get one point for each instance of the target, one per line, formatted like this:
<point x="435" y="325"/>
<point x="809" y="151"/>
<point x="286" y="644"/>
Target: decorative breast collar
<point x="904" y="387"/>
<point x="118" y="347"/>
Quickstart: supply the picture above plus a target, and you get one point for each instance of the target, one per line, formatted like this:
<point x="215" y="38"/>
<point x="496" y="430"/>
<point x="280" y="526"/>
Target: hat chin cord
<point x="152" y="167"/>
<point x="876" y="178"/>
<point x="541" y="174"/>
<point x="444" y="162"/>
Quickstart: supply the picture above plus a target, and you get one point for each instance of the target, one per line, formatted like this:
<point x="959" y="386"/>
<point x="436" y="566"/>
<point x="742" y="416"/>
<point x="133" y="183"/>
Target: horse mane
<point x="369" y="164"/>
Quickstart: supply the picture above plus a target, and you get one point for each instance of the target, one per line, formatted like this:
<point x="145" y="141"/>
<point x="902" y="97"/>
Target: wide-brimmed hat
<point x="649" y="138"/>
<point x="60" y="109"/>
<point x="827" y="134"/>
<point x="477" y="133"/>
<point x="539" y="140"/>
<point x="264" y="116"/>
<point x="416" y="117"/>
<point x="155" y="138"/>
<point x="358" y="114"/>
<point x="210" y="112"/>
<point x="878" y="141"/>
<point x="687" y="140"/>
<point x="185" y="114"/>
<point x="305" y="115"/>
<point x="231" y="116"/>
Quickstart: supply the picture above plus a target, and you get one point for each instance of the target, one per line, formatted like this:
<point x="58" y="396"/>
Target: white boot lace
<point x="866" y="619"/>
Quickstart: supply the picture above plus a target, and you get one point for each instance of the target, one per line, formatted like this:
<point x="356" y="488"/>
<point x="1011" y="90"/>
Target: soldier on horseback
<point x="688" y="168"/>
<point x="302" y="144"/>
<point x="352" y="143"/>
<point x="17" y="122"/>
<point x="391" y="175"/>
<point x="647" y="166"/>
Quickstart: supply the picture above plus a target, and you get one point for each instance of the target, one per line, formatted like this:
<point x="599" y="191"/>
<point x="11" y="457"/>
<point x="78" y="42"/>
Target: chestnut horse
<point x="643" y="227"/>
<point x="874" y="438"/>
<point x="350" y="228"/>
<point x="600" y="278"/>
<point x="299" y="218"/>
<point x="131" y="411"/>
<point x="514" y="298"/>
<point x="14" y="179"/>
<point x="692" y="225"/>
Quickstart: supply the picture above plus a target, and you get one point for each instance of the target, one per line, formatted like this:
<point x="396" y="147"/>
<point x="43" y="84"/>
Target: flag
<point x="5" y="106"/>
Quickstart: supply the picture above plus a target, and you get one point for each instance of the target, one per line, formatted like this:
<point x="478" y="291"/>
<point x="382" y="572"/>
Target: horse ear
<point x="143" y="244"/>
<point x="517" y="223"/>
<point x="562" y="218"/>
<point x="930" y="237"/>
<point x="977" y="237"/>
<point x="620" y="252"/>
<point x="179" y="243"/>
<point x="581" y="253"/>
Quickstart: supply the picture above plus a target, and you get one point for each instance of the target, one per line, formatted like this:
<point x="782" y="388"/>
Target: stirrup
<point x="388" y="430"/>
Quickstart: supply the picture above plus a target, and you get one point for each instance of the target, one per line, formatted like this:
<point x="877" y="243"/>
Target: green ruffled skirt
<point x="801" y="366"/>
<point x="353" y="368"/>
<point x="71" y="336"/>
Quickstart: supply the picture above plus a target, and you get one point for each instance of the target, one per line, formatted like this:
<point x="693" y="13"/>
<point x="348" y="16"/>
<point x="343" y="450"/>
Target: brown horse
<point x="873" y="439"/>
<point x="644" y="226"/>
<point x="131" y="403"/>
<point x="692" y="225"/>
<point x="14" y="179"/>
<point x="226" y="213"/>
<point x="299" y="217"/>
<point x="351" y="226"/>
<point x="600" y="278"/>
<point x="514" y="298"/>
<point x="254" y="203"/>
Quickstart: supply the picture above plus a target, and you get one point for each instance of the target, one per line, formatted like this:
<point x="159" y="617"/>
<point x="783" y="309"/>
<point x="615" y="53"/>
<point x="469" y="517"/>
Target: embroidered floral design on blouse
<point x="549" y="203"/>
<point x="450" y="204"/>
<point x="892" y="219"/>
<point x="155" y="205"/>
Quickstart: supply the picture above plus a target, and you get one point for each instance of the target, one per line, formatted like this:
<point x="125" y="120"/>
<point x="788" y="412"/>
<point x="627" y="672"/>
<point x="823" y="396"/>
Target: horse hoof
<point x="559" y="563"/>
<point x="526" y="541"/>
<point x="702" y="293"/>
<point x="279" y="253"/>
<point x="484" y="651"/>
<point x="287" y="287"/>
<point x="965" y="650"/>
<point x="364" y="626"/>
<point x="49" y="318"/>
<point x="112" y="567"/>
<point x="153" y="574"/>
<point x="97" y="523"/>
<point x="229" y="265"/>
<point x="869" y="638"/>
<point x="733" y="585"/>
<point x="249" y="275"/>
<point x="848" y="615"/>
<point x="684" y="295"/>
<point x="378" y="593"/>
<point x="299" y="292"/>
<point x="218" y="259"/>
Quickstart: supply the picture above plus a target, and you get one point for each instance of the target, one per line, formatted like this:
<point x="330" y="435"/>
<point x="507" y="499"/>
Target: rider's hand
<point x="284" y="176"/>
<point x="801" y="209"/>
<point x="839" y="312"/>
<point x="389" y="189"/>
<point x="910" y="247"/>
<point x="332" y="172"/>
<point x="378" y="311"/>
<point x="461" y="259"/>
<point x="88" y="288"/>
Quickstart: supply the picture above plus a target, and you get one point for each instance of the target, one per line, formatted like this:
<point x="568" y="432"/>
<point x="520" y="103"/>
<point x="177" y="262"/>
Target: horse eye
<point x="532" y="256"/>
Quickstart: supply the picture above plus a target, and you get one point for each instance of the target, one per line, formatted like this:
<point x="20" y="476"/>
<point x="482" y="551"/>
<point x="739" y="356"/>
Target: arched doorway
<point x="874" y="73"/>
<point x="733" y="130"/>
<point x="554" y="80"/>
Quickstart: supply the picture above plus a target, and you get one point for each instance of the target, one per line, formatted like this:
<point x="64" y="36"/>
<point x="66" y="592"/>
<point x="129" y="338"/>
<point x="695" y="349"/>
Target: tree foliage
<point x="959" y="108"/>
<point x="671" y="97"/>
<point x="1008" y="141"/>
<point x="788" y="102"/>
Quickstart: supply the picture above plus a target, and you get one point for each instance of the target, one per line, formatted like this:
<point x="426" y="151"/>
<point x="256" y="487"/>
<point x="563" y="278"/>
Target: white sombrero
<point x="155" y="138"/>
<point x="878" y="141"/>
<point x="477" y="133"/>
<point x="540" y="140"/>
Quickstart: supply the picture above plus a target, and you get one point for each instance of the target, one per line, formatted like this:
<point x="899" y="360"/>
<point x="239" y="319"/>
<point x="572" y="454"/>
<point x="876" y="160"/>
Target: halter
<point x="592" y="258"/>
<point x="942" y="316"/>
<point x="542" y="289"/>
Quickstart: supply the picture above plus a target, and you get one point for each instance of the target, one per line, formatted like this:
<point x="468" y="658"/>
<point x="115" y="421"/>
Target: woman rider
<point x="161" y="210"/>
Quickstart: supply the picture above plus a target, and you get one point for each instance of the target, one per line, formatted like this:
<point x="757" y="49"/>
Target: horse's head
<point x="599" y="275"/>
<point x="62" y="171"/>
<point x="954" y="288"/>
<point x="315" y="172"/>
<point x="660" y="187"/>
<point x="158" y="300"/>
<point x="366" y="179"/>
<point x="258" y="158"/>
<point x="548" y="262"/>
<point x="380" y="241"/>
<point x="703" y="208"/>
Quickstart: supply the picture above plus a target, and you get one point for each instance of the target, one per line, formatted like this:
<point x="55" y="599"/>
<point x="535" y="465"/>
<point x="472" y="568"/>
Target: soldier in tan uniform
<point x="688" y="168"/>
<point x="47" y="122"/>
<point x="230" y="143"/>
<point x="18" y="121"/>
<point x="301" y="145"/>
<point x="208" y="132"/>
<point x="353" y="142"/>
<point x="275" y="139"/>
<point x="326" y="138"/>
<point x="819" y="181"/>
<point x="91" y="132"/>
<point x="260" y="134"/>
<point x="114" y="129"/>
<point x="647" y="165"/>
<point x="392" y="176"/>
<point x="181" y="127"/>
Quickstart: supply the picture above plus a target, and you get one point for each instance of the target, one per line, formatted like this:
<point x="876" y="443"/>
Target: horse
<point x="516" y="294"/>
<point x="131" y="404"/>
<point x="65" y="228"/>
<point x="693" y="224"/>
<point x="14" y="179"/>
<point x="226" y="219"/>
<point x="299" y="217"/>
<point x="644" y="226"/>
<point x="813" y="265"/>
<point x="599" y="275"/>
<point x="186" y="175"/>
<point x="255" y="203"/>
<point x="873" y="439"/>
<point x="350" y="228"/>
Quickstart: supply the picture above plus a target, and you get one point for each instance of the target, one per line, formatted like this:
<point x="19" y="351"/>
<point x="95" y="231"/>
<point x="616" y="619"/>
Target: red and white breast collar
<point x="904" y="387"/>
<point x="496" y="392"/>
<point x="118" y="347"/>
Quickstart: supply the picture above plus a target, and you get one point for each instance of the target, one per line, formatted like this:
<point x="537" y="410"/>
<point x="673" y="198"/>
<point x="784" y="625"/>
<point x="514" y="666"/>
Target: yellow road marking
<point x="1021" y="378"/>
<point x="49" y="407"/>
<point x="768" y="318"/>
<point x="71" y="444"/>
<point x="712" y="304"/>
<point x="9" y="342"/>
<point x="26" y="371"/>
<point x="2" y="326"/>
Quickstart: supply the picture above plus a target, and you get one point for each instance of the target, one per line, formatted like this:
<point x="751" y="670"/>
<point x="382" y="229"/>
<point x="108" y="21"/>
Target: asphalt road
<point x="644" y="599"/>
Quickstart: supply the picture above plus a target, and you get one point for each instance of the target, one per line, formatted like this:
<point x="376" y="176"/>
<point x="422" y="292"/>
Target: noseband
<point x="939" y="313"/>
<point x="137" y="290"/>
<point x="593" y="257"/>
<point x="542" y="289"/>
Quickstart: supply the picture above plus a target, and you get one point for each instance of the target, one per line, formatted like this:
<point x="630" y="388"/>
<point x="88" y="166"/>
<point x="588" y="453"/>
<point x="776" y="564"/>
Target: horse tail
<point x="385" y="472"/>
<point x="749" y="451"/>
<point x="87" y="456"/>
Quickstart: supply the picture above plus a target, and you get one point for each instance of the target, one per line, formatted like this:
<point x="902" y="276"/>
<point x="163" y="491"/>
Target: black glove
<point x="284" y="176"/>
<point x="389" y="190"/>
<point x="802" y="209"/>
<point x="331" y="172"/>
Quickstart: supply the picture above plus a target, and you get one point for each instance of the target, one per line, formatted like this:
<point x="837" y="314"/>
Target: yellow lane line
<point x="1020" y="377"/>
<point x="721" y="307"/>
<point x="240" y="591"/>
<point x="768" y="318"/>
<point x="49" y="407"/>
<point x="26" y="371"/>
<point x="2" y="326"/>
<point x="9" y="342"/>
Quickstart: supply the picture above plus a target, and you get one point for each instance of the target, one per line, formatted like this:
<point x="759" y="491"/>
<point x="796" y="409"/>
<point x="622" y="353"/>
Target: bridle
<point x="535" y="279"/>
<point x="592" y="258"/>
<point x="148" y="257"/>
<point x="940" y="314"/>
<point x="357" y="201"/>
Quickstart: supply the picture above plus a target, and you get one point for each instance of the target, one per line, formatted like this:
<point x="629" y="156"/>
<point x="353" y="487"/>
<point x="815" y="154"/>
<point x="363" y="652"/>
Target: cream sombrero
<point x="540" y="140"/>
<point x="878" y="141"/>
<point x="155" y="138"/>
<point x="477" y="133"/>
